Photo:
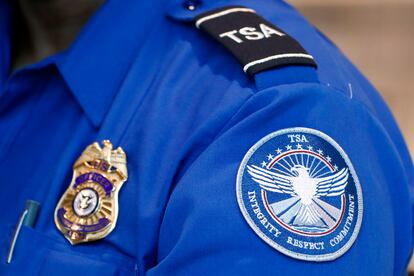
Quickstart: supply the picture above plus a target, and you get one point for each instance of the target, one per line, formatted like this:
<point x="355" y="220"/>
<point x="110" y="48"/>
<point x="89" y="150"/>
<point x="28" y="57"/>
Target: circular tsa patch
<point x="299" y="192"/>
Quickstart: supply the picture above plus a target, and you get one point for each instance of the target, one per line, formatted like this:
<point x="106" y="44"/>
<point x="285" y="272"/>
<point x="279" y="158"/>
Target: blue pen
<point x="27" y="218"/>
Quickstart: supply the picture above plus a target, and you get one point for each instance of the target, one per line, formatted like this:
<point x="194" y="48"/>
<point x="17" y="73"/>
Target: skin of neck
<point x="42" y="28"/>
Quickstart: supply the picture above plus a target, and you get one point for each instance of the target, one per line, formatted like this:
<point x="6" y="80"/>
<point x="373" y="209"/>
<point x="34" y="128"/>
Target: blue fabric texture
<point x="142" y="75"/>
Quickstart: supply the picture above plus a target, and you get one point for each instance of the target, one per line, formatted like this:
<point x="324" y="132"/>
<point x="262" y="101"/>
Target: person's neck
<point x="45" y="27"/>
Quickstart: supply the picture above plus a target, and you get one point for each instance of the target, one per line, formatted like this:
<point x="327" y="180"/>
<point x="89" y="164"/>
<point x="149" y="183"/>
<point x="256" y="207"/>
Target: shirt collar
<point x="96" y="64"/>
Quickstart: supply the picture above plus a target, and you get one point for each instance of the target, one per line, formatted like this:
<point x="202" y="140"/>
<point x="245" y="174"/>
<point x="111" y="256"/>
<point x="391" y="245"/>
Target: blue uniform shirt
<point x="142" y="75"/>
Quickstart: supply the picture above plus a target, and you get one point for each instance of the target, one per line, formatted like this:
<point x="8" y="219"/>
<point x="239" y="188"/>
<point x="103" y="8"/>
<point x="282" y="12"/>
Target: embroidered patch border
<point x="300" y="194"/>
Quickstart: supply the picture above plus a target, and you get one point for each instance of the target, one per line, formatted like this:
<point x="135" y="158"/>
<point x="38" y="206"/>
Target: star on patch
<point x="288" y="147"/>
<point x="264" y="164"/>
<point x="320" y="151"/>
<point x="270" y="157"/>
<point x="278" y="151"/>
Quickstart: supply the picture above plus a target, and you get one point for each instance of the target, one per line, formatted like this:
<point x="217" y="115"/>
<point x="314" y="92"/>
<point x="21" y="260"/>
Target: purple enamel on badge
<point x="103" y="222"/>
<point x="97" y="178"/>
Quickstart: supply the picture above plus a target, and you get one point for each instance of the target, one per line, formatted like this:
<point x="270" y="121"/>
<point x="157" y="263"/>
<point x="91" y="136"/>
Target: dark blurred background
<point x="378" y="37"/>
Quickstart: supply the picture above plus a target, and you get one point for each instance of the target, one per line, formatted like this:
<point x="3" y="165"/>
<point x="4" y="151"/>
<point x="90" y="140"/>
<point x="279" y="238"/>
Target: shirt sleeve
<point x="207" y="231"/>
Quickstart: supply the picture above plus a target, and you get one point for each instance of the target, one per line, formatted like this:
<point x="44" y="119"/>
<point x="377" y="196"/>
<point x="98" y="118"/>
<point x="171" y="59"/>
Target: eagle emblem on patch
<point x="88" y="210"/>
<point x="299" y="192"/>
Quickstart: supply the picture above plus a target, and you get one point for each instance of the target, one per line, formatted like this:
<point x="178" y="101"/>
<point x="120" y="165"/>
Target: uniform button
<point x="192" y="5"/>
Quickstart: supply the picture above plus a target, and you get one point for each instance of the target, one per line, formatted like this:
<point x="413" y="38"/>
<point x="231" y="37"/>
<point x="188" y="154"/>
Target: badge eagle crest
<point x="88" y="210"/>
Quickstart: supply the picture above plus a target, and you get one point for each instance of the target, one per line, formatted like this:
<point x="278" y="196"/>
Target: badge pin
<point x="88" y="210"/>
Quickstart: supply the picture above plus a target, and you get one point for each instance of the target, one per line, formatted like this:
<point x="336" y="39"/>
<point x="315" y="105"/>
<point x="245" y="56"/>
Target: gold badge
<point x="88" y="209"/>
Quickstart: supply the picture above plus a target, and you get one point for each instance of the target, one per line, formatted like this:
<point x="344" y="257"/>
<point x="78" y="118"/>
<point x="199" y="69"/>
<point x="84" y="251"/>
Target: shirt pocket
<point x="37" y="253"/>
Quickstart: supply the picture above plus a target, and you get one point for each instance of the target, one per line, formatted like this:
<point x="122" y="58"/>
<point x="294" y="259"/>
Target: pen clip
<point x="15" y="236"/>
<point x="27" y="218"/>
